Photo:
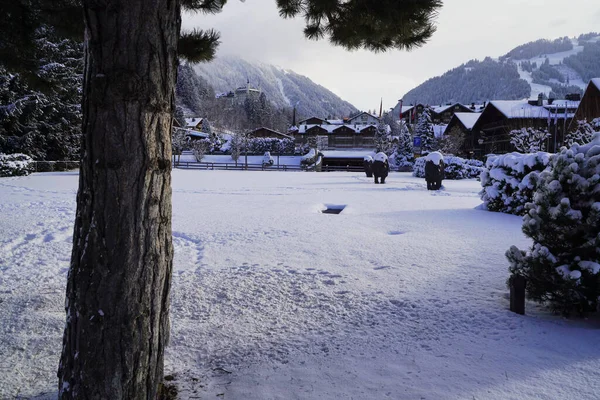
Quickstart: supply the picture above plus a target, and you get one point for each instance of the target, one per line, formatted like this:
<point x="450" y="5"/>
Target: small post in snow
<point x="517" y="294"/>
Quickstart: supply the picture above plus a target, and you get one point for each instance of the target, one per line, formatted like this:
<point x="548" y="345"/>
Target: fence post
<point x="517" y="294"/>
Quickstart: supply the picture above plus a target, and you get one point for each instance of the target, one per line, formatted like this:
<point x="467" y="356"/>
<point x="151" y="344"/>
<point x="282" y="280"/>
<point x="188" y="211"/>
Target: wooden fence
<point x="236" y="167"/>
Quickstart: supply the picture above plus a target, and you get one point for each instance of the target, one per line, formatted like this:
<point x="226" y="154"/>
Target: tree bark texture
<point x="117" y="300"/>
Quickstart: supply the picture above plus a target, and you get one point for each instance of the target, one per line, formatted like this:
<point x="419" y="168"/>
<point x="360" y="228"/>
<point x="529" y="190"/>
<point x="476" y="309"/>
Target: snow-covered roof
<point x="438" y="130"/>
<point x="335" y="121"/>
<point x="347" y="153"/>
<point x="201" y="135"/>
<point x="570" y="104"/>
<point x="407" y="108"/>
<point x="306" y="119"/>
<point x="468" y="119"/>
<point x="362" y="113"/>
<point x="330" y="128"/>
<point x="519" y="109"/>
<point x="192" y="122"/>
<point x="441" y="109"/>
<point x="596" y="82"/>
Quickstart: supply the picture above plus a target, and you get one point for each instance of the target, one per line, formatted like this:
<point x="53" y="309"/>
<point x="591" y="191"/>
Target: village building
<point x="194" y="123"/>
<point x="589" y="107"/>
<point x="464" y="122"/>
<point x="491" y="131"/>
<point x="349" y="133"/>
<point x="263" y="132"/>
<point x="443" y="114"/>
<point x="240" y="94"/>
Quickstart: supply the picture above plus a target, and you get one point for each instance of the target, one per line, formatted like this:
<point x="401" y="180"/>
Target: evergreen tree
<point x="403" y="151"/>
<point x="563" y="265"/>
<point x="383" y="139"/>
<point x="237" y="144"/>
<point x="44" y="125"/>
<point x="529" y="140"/>
<point x="424" y="129"/>
<point x="583" y="134"/>
<point x="405" y="156"/>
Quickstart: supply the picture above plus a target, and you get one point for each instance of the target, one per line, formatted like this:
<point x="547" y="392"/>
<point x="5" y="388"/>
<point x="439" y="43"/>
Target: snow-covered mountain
<point x="284" y="88"/>
<point x="553" y="67"/>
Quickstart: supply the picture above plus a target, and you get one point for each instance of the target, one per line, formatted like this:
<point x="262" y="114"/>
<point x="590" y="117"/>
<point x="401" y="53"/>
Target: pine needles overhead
<point x="375" y="25"/>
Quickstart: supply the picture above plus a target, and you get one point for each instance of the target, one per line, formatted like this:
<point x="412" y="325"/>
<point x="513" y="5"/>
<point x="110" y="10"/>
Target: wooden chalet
<point x="464" y="122"/>
<point x="194" y="123"/>
<point x="500" y="117"/>
<point x="314" y="121"/>
<point x="410" y="114"/>
<point x="443" y="114"/>
<point x="353" y="132"/>
<point x="268" y="133"/>
<point x="589" y="107"/>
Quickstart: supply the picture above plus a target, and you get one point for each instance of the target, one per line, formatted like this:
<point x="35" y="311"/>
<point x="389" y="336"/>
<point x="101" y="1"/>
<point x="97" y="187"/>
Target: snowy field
<point x="401" y="296"/>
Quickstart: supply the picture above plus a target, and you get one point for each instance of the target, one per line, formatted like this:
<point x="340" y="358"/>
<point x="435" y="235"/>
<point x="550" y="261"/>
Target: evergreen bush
<point x="509" y="181"/>
<point x="562" y="267"/>
<point x="15" y="165"/>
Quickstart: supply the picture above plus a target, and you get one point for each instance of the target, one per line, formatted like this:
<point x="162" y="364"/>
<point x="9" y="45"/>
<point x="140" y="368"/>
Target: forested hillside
<point x="552" y="67"/>
<point x="196" y="97"/>
<point x="475" y="81"/>
<point x="283" y="88"/>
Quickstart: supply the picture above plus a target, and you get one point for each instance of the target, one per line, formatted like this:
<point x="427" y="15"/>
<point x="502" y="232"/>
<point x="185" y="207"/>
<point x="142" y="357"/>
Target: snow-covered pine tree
<point x="529" y="140"/>
<point x="583" y="134"/>
<point x="44" y="125"/>
<point x="424" y="129"/>
<point x="404" y="153"/>
<point x="236" y="146"/>
<point x="563" y="265"/>
<point x="383" y="139"/>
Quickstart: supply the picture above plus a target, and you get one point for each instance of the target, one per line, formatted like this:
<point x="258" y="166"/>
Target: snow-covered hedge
<point x="272" y="145"/>
<point x="509" y="181"/>
<point x="562" y="267"/>
<point x="454" y="168"/>
<point x="15" y="165"/>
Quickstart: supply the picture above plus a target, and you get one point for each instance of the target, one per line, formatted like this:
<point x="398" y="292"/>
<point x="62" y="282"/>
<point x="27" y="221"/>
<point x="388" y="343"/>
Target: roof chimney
<point x="540" y="100"/>
<point x="472" y="106"/>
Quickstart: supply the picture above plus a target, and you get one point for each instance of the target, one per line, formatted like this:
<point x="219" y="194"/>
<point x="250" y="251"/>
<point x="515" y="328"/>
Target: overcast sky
<point x="466" y="29"/>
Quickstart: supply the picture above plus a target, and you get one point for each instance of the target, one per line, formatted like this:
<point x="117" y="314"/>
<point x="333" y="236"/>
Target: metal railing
<point x="235" y="167"/>
<point x="55" y="166"/>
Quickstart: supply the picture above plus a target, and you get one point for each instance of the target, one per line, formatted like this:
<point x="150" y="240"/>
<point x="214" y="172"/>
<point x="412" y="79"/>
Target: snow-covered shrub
<point x="563" y="265"/>
<point x="584" y="132"/>
<point x="454" y="168"/>
<point x="509" y="181"/>
<point x="529" y="140"/>
<point x="200" y="148"/>
<point x="272" y="145"/>
<point x="15" y="165"/>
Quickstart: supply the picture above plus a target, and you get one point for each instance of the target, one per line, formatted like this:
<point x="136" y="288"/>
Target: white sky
<point x="467" y="29"/>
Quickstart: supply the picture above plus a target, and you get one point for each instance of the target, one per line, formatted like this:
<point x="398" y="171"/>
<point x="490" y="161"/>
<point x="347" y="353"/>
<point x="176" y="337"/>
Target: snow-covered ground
<point x="401" y="296"/>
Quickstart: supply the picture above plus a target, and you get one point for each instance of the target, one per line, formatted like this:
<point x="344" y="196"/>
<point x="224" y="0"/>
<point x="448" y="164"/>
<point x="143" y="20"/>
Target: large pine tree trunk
<point x="118" y="286"/>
